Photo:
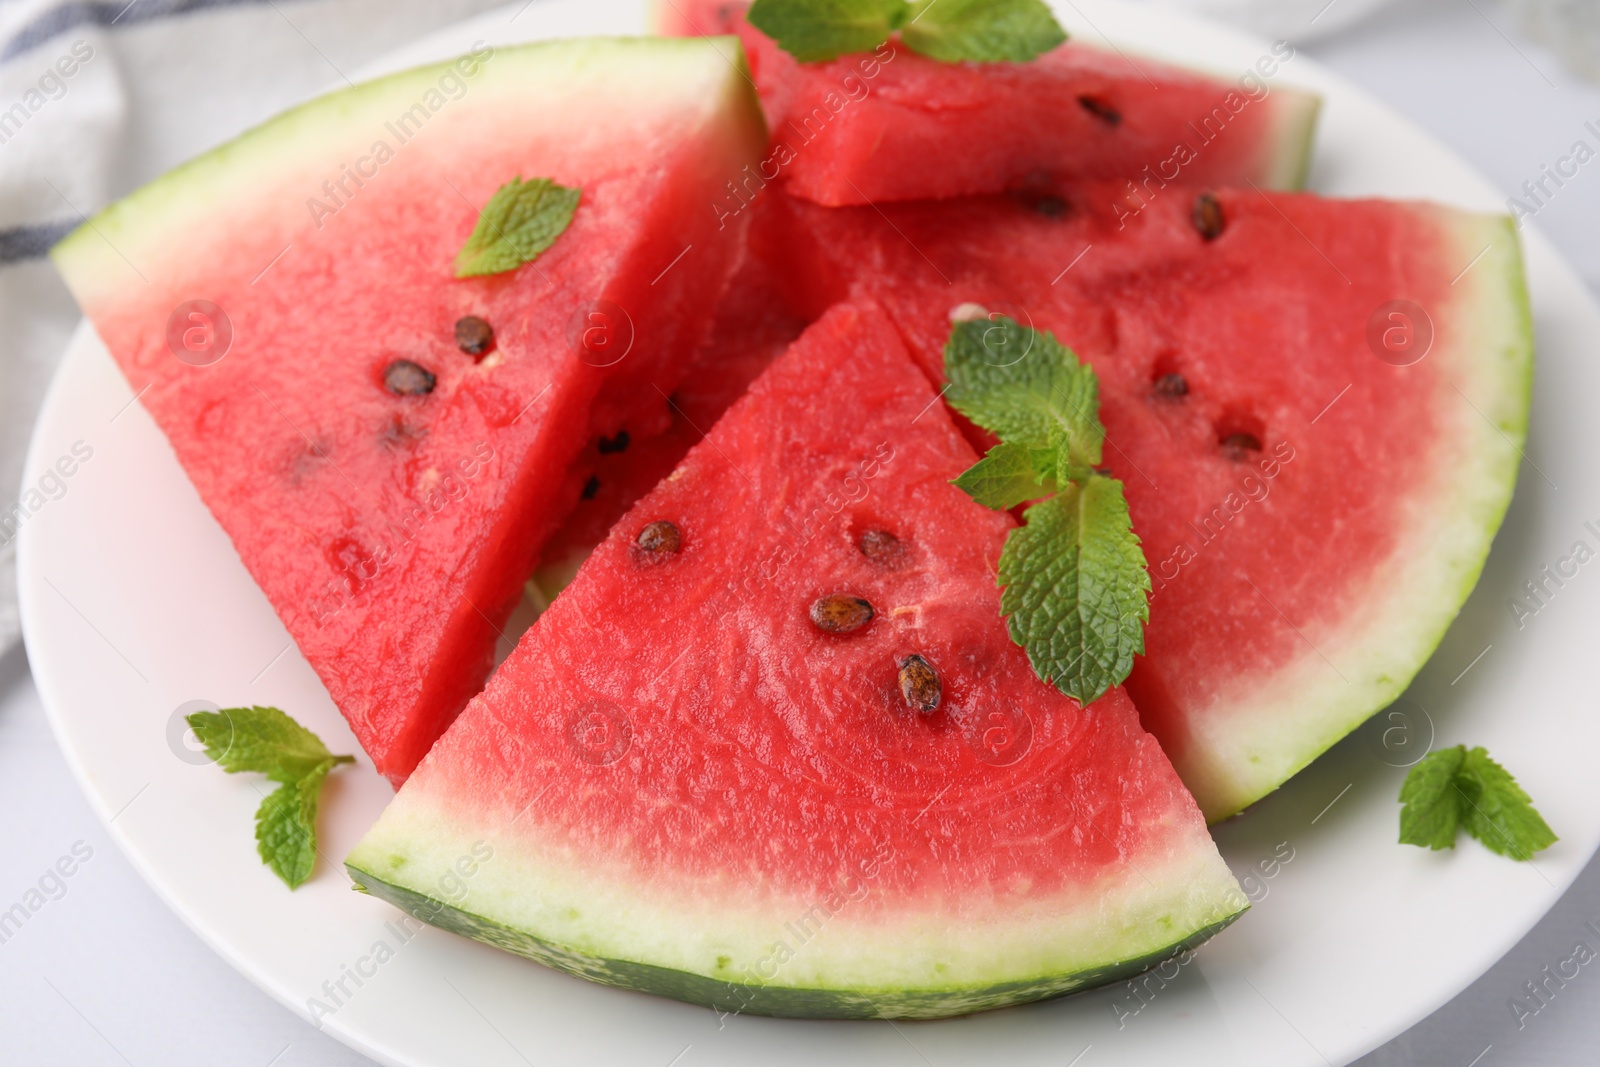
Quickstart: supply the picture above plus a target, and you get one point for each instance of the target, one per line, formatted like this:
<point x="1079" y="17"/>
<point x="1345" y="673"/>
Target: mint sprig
<point x="1463" y="789"/>
<point x="1076" y="587"/>
<point x="817" y="30"/>
<point x="266" y="741"/>
<point x="518" y="225"/>
<point x="1009" y="475"/>
<point x="982" y="31"/>
<point x="951" y="31"/>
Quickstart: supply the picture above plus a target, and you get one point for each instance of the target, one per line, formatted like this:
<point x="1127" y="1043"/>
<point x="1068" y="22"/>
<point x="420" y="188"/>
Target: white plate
<point x="134" y="604"/>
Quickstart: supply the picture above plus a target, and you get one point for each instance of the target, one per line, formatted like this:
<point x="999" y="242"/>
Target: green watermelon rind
<point x="1403" y="618"/>
<point x="788" y="1002"/>
<point x="1297" y="115"/>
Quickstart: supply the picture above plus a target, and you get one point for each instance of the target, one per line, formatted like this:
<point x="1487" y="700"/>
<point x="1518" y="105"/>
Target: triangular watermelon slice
<point x="895" y="125"/>
<point x="773" y="751"/>
<point x="287" y="309"/>
<point x="1317" y="408"/>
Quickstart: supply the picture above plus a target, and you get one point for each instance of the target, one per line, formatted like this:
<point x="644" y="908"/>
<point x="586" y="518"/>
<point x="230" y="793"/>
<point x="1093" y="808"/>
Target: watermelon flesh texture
<point x="737" y="809"/>
<point x="894" y="125"/>
<point x="1313" y="516"/>
<point x="392" y="533"/>
<point x="751" y="329"/>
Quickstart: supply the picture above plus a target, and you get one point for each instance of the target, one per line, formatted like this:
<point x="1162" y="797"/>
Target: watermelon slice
<point x="894" y="125"/>
<point x="882" y="812"/>
<point x="1317" y="408"/>
<point x="386" y="477"/>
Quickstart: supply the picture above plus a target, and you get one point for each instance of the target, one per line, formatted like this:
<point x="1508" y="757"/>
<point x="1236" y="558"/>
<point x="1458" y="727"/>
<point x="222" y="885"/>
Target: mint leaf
<point x="816" y="30"/>
<point x="520" y="222"/>
<point x="266" y="741"/>
<point x="1457" y="788"/>
<point x="286" y="826"/>
<point x="1076" y="588"/>
<point x="1432" y="809"/>
<point x="1009" y="475"/>
<point x="1024" y="386"/>
<point x="1497" y="812"/>
<point x="982" y="31"/>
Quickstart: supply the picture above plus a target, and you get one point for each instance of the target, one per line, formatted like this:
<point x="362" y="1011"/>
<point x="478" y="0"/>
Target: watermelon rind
<point x="1258" y="736"/>
<point x="1296" y="115"/>
<point x="922" y="968"/>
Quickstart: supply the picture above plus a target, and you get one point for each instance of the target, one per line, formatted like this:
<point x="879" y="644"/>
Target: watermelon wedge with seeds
<point x="895" y="125"/>
<point x="1317" y="408"/>
<point x="774" y="752"/>
<point x="387" y="471"/>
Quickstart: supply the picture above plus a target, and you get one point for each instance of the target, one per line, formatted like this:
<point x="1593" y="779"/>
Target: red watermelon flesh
<point x="733" y="807"/>
<point x="752" y="328"/>
<point x="1313" y="515"/>
<point x="894" y="125"/>
<point x="393" y="533"/>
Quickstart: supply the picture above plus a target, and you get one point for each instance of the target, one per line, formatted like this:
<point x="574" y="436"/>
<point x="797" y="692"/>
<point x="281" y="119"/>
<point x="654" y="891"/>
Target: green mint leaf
<point x="1077" y="590"/>
<point x="521" y="221"/>
<point x="983" y="31"/>
<point x="286" y="826"/>
<point x="816" y="30"/>
<point x="1076" y="587"/>
<point x="1025" y="387"/>
<point x="1009" y="475"/>
<point x="1432" y="809"/>
<point x="1069" y="459"/>
<point x="1496" y="811"/>
<point x="266" y="741"/>
<point x="1461" y="788"/>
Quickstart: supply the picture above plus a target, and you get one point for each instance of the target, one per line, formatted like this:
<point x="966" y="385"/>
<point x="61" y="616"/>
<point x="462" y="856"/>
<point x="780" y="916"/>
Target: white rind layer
<point x="708" y="921"/>
<point x="1294" y="116"/>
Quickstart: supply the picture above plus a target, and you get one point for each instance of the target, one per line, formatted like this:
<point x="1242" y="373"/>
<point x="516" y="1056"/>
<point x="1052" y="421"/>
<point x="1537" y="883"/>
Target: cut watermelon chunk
<point x="393" y="532"/>
<point x="1314" y="515"/>
<point x="733" y="807"/>
<point x="894" y="125"/>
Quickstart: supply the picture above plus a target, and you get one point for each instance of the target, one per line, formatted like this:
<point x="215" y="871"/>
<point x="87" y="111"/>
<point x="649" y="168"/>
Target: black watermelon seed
<point x="841" y="613"/>
<point x="919" y="685"/>
<point x="591" y="487"/>
<point x="474" y="335"/>
<point x="619" y="443"/>
<point x="1172" y="387"/>
<point x="1207" y="217"/>
<point x="881" y="546"/>
<point x="1101" y="110"/>
<point x="1236" y="445"/>
<point x="659" y="540"/>
<point x="405" y="378"/>
<point x="1051" y="207"/>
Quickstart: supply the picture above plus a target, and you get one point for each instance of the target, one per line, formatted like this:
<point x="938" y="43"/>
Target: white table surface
<point x="106" y="974"/>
